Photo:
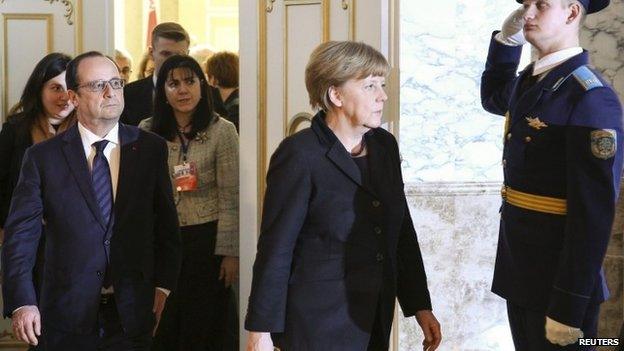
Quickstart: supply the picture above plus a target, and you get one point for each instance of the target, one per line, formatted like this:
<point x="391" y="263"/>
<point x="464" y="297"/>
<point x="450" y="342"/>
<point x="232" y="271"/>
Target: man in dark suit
<point x="103" y="193"/>
<point x="168" y="38"/>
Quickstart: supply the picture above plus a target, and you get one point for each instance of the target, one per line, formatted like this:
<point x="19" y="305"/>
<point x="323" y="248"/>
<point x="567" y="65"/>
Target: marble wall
<point x="457" y="226"/>
<point x="451" y="150"/>
<point x="445" y="134"/>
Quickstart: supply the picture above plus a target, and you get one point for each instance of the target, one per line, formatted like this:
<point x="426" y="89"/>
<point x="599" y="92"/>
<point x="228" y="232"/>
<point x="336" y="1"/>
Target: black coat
<point x="143" y="245"/>
<point x="333" y="252"/>
<point x="139" y="104"/>
<point x="14" y="140"/>
<point x="138" y="101"/>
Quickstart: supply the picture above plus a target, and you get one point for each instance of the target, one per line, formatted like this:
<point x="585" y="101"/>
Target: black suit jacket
<point x="139" y="104"/>
<point x="143" y="245"/>
<point x="138" y="98"/>
<point x="332" y="253"/>
<point x="14" y="140"/>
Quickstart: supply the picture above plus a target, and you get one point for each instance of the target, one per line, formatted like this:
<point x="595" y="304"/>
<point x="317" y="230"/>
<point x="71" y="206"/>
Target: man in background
<point x="124" y="63"/>
<point x="168" y="38"/>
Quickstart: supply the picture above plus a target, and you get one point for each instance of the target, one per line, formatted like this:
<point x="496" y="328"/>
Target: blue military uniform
<point x="562" y="163"/>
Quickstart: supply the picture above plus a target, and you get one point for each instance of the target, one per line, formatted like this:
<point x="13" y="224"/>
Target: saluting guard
<point x="562" y="163"/>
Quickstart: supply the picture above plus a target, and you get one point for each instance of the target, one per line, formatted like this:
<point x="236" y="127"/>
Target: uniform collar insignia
<point x="534" y="122"/>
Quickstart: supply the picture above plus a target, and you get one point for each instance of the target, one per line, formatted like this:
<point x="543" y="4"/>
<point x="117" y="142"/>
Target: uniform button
<point x="377" y="230"/>
<point x="504" y="162"/>
<point x="527" y="139"/>
<point x="174" y="148"/>
<point x="380" y="257"/>
<point x="99" y="274"/>
<point x="376" y="203"/>
<point x="183" y="222"/>
<point x="106" y="242"/>
<point x="508" y="136"/>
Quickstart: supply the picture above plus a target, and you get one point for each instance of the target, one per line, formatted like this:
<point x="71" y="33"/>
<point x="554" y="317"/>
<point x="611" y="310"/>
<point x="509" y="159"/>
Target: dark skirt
<point x="196" y="313"/>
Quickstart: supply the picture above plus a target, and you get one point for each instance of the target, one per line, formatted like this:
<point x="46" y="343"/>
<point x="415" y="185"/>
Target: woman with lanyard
<point x="203" y="161"/>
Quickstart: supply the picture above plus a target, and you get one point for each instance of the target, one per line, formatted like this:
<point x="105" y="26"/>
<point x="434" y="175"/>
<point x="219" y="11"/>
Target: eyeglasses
<point x="97" y="86"/>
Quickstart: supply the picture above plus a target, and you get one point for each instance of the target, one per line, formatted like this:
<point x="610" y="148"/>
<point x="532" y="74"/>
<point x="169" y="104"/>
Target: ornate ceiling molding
<point x="69" y="9"/>
<point x="269" y="6"/>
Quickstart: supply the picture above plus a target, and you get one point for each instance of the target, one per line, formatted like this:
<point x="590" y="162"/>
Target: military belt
<point x="533" y="202"/>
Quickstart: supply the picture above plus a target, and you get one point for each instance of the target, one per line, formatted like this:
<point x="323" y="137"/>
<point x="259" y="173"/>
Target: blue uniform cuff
<point x="567" y="307"/>
<point x="500" y="53"/>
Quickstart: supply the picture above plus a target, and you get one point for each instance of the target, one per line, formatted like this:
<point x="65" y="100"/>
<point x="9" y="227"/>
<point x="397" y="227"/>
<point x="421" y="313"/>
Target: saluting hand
<point x="512" y="31"/>
<point x="431" y="328"/>
<point x="27" y="324"/>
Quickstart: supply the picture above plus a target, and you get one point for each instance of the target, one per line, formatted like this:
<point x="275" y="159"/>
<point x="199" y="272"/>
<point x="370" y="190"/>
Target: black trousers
<point x="529" y="334"/>
<point x="196" y="314"/>
<point x="109" y="335"/>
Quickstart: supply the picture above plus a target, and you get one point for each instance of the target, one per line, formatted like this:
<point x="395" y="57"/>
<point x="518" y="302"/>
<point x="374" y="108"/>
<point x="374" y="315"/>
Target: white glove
<point x="511" y="34"/>
<point x="561" y="334"/>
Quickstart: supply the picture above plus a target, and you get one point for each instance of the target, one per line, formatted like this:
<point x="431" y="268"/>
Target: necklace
<point x="182" y="129"/>
<point x="360" y="150"/>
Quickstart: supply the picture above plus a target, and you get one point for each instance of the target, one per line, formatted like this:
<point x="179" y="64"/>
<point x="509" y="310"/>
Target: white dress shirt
<point x="112" y="150"/>
<point x="550" y="61"/>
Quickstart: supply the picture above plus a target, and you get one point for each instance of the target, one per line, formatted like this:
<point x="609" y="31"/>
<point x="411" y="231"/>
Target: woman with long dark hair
<point x="203" y="161"/>
<point x="43" y="111"/>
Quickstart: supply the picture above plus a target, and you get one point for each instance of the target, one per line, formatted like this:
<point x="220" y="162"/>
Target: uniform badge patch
<point x="535" y="123"/>
<point x="603" y="143"/>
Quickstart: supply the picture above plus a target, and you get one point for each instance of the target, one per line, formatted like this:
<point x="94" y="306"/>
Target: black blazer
<point x="138" y="98"/>
<point x="231" y="106"/>
<point x="143" y="245"/>
<point x="14" y="140"/>
<point x="139" y="103"/>
<point x="332" y="252"/>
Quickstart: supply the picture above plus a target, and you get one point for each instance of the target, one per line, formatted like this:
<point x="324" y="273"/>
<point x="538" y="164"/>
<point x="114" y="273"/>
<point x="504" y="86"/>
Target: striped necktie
<point x="101" y="181"/>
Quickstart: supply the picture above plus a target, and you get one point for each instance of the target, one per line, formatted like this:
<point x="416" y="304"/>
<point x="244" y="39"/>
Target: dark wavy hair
<point x="163" y="121"/>
<point x="30" y="106"/>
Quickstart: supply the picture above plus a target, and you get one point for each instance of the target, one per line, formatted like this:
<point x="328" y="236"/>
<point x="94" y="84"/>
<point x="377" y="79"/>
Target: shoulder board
<point x="586" y="78"/>
<point x="583" y="75"/>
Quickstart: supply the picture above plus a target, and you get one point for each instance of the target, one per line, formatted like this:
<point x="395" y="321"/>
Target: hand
<point x="257" y="341"/>
<point x="431" y="328"/>
<point x="229" y="270"/>
<point x="27" y="324"/>
<point x="159" y="304"/>
<point x="561" y="334"/>
<point x="511" y="34"/>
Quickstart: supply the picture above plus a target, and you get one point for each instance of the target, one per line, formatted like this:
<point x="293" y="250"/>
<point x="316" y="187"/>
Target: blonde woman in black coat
<point x="337" y="244"/>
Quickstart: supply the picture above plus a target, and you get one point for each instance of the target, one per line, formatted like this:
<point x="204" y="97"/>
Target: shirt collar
<point x="154" y="79"/>
<point x="550" y="61"/>
<point x="88" y="137"/>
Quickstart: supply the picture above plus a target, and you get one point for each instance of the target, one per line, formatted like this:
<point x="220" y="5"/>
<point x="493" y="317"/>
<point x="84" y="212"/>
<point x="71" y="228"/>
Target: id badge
<point x="185" y="176"/>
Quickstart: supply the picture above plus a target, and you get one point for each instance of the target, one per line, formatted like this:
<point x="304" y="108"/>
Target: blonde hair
<point x="333" y="63"/>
